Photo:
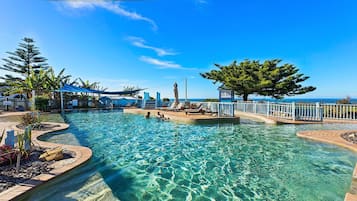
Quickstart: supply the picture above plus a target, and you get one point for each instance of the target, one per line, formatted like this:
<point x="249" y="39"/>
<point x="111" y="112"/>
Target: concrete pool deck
<point x="190" y="118"/>
<point x="81" y="155"/>
<point x="334" y="137"/>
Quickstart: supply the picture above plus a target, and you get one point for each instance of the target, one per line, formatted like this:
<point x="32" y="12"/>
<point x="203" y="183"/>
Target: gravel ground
<point x="350" y="137"/>
<point x="29" y="168"/>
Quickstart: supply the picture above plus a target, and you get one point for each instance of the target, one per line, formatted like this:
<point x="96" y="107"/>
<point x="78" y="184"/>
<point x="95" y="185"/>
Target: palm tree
<point x="55" y="81"/>
<point x="88" y="85"/>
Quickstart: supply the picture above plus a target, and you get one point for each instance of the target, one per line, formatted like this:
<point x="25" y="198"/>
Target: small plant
<point x="24" y="142"/>
<point x="346" y="100"/>
<point x="2" y="135"/>
<point x="166" y="100"/>
<point x="30" y="119"/>
<point x="211" y="100"/>
<point x="7" y="155"/>
<point x="42" y="103"/>
<point x="21" y="143"/>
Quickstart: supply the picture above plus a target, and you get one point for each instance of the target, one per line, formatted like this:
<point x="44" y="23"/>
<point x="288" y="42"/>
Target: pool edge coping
<point x="82" y="155"/>
<point x="334" y="137"/>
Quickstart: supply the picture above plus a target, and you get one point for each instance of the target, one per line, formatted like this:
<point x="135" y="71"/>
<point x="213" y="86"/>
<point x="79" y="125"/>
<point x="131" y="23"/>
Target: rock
<point x="29" y="168"/>
<point x="53" y="154"/>
<point x="350" y="137"/>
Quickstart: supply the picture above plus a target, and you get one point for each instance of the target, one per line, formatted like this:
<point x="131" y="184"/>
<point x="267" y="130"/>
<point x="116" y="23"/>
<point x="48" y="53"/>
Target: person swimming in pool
<point x="147" y="116"/>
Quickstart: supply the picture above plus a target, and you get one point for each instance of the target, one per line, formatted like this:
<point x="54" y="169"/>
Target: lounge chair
<point x="171" y="107"/>
<point x="199" y="109"/>
<point x="177" y="108"/>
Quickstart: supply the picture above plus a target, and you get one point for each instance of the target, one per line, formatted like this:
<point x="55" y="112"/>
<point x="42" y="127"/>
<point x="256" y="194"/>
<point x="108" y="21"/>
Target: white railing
<point x="308" y="111"/>
<point x="280" y="110"/>
<point x="219" y="108"/>
<point x="291" y="111"/>
<point x="340" y="111"/>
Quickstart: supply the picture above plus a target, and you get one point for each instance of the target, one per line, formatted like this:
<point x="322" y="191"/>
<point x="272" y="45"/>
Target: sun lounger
<point x="177" y="108"/>
<point x="172" y="106"/>
<point x="200" y="109"/>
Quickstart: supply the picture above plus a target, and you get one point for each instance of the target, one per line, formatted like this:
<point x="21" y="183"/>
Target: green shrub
<point x="211" y="100"/>
<point x="30" y="119"/>
<point x="7" y="155"/>
<point x="346" y="100"/>
<point x="166" y="100"/>
<point x="41" y="103"/>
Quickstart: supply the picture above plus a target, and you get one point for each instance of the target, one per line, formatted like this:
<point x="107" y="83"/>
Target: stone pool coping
<point x="81" y="155"/>
<point x="334" y="137"/>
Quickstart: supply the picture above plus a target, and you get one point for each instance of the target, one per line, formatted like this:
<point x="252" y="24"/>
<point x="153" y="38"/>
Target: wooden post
<point x="18" y="160"/>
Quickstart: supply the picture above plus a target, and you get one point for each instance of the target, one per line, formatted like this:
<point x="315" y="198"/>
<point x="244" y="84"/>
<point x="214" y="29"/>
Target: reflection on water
<point x="139" y="159"/>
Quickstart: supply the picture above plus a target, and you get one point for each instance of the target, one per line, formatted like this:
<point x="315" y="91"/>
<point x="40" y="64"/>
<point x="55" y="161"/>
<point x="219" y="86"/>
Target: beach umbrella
<point x="176" y="94"/>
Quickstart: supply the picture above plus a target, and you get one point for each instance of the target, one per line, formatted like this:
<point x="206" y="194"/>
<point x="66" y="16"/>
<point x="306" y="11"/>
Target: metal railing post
<point x="232" y="109"/>
<point x="268" y="108"/>
<point x="293" y="112"/>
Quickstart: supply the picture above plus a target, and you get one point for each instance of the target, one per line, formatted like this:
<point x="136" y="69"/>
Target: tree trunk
<point x="245" y="97"/>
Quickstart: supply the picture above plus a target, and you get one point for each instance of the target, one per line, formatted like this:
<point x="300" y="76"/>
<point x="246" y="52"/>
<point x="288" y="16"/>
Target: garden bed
<point x="350" y="137"/>
<point x="29" y="168"/>
<point x="39" y="127"/>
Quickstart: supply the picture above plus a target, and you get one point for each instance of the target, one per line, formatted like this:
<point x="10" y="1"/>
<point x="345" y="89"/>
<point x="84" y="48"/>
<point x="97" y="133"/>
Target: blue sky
<point x="153" y="43"/>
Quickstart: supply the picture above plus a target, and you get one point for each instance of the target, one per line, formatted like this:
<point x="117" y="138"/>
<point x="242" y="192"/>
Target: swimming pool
<point x="144" y="159"/>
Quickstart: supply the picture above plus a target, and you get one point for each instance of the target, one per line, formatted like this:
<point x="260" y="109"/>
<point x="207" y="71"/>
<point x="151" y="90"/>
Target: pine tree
<point x="25" y="60"/>
<point x="266" y="79"/>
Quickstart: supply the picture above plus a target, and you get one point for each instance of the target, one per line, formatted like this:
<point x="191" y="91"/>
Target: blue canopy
<point x="74" y="89"/>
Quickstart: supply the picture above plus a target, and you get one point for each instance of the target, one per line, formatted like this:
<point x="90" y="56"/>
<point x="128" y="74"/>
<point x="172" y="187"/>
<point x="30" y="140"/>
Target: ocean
<point x="288" y="100"/>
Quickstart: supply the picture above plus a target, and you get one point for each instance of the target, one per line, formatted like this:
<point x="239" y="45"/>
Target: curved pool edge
<point x="82" y="155"/>
<point x="334" y="137"/>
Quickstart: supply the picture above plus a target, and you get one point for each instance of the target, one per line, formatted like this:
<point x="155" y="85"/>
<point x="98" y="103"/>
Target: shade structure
<point x="176" y="94"/>
<point x="75" y="89"/>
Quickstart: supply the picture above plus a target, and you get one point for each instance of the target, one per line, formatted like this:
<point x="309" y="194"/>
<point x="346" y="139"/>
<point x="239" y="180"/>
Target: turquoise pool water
<point x="144" y="159"/>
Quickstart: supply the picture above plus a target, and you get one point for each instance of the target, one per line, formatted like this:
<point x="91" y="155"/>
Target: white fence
<point x="340" y="111"/>
<point x="221" y="109"/>
<point x="291" y="111"/>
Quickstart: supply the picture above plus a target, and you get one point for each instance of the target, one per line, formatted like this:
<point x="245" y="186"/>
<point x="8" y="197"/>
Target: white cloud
<point x="110" y="6"/>
<point x="140" y="42"/>
<point x="160" y="63"/>
<point x="118" y="84"/>
<point x="163" y="64"/>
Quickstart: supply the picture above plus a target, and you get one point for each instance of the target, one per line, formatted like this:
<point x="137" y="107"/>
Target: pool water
<point x="145" y="159"/>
